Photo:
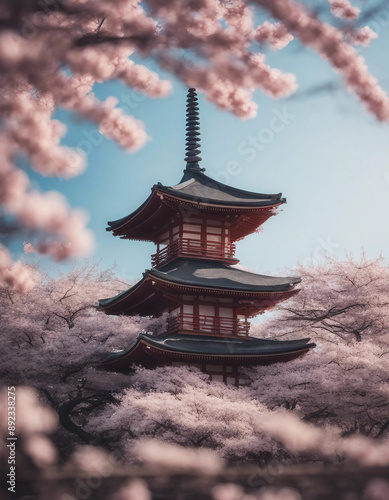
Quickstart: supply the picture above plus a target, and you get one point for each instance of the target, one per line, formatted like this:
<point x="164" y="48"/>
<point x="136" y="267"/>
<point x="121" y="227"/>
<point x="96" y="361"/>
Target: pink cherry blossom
<point x="330" y="405"/>
<point x="15" y="275"/>
<point x="362" y="37"/>
<point x="53" y="58"/>
<point x="329" y="42"/>
<point x="344" y="9"/>
<point x="275" y="34"/>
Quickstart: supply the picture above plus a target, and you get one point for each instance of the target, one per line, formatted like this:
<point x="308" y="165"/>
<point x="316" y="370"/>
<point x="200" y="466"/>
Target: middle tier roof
<point x="198" y="276"/>
<point x="211" y="274"/>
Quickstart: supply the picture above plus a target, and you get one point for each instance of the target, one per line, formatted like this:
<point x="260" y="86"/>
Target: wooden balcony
<point x="194" y="248"/>
<point x="207" y="325"/>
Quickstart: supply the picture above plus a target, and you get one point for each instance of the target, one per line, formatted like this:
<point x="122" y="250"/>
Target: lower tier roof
<point x="150" y="351"/>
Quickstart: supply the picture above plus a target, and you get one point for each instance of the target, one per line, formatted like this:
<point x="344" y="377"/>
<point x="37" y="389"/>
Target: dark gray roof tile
<point x="199" y="187"/>
<point x="207" y="273"/>
<point x="210" y="345"/>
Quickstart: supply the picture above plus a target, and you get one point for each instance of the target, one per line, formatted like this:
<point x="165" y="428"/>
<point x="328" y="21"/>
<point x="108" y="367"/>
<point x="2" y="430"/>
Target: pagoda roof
<point x="212" y="274"/>
<point x="149" y="349"/>
<point x="201" y="192"/>
<point x="196" y="193"/>
<point x="204" y="275"/>
<point x="208" y="273"/>
<point x="197" y="186"/>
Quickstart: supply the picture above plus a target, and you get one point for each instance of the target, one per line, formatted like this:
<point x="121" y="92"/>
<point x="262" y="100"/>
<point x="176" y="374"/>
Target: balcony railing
<point x="184" y="246"/>
<point x="198" y="324"/>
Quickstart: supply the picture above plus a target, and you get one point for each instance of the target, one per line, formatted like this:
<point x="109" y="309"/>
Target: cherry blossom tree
<point x="53" y="52"/>
<point x="330" y="406"/>
<point x="54" y="339"/>
<point x="344" y="307"/>
<point x="161" y="467"/>
<point x="340" y="300"/>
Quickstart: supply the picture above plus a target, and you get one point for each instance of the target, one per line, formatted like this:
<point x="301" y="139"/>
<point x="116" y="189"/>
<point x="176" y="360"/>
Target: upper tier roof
<point x="197" y="186"/>
<point x="205" y="195"/>
<point x="196" y="193"/>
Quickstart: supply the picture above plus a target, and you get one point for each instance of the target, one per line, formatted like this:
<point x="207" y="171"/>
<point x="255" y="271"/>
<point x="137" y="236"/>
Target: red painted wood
<point x="187" y="247"/>
<point x="207" y="325"/>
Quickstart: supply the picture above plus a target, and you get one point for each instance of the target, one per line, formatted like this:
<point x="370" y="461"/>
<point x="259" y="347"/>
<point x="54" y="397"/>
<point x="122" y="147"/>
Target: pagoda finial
<point x="192" y="132"/>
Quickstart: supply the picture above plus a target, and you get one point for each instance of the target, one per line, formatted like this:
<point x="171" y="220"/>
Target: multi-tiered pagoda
<point x="195" y="225"/>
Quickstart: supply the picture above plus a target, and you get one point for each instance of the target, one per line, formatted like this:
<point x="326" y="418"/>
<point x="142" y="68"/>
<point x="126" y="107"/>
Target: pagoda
<point x="194" y="277"/>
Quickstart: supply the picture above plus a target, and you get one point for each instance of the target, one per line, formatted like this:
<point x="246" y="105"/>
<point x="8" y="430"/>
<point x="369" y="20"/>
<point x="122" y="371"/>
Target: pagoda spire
<point x="192" y="132"/>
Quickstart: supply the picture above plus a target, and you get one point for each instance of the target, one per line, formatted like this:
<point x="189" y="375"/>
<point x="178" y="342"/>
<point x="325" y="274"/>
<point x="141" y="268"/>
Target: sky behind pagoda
<point x="322" y="150"/>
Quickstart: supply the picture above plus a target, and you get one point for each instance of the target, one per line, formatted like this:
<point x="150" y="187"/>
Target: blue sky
<point x="330" y="160"/>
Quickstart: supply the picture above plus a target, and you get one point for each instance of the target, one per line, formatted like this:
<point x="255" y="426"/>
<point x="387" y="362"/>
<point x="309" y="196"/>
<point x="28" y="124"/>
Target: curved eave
<point x="105" y="303"/>
<point x="223" y="203"/>
<point x="151" y="352"/>
<point x="227" y="345"/>
<point x="145" y="222"/>
<point x="204" y="180"/>
<point x="116" y="224"/>
<point x="161" y="277"/>
<point x="135" y="299"/>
